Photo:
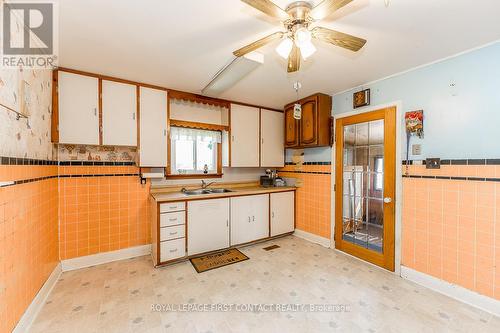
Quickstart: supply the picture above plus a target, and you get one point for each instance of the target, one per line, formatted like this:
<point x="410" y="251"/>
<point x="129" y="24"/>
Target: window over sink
<point x="194" y="151"/>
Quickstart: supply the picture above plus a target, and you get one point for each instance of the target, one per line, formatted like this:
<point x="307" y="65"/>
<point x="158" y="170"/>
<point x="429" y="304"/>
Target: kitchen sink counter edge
<point x="170" y="195"/>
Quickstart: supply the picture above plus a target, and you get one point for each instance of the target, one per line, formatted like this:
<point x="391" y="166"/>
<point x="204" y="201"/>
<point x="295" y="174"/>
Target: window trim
<point x="193" y="125"/>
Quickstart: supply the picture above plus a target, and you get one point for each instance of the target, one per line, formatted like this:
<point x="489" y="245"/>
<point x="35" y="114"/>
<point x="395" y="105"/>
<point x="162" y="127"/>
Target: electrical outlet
<point x="416" y="149"/>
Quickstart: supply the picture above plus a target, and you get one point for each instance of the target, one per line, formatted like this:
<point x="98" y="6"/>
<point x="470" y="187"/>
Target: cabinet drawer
<point x="170" y="219"/>
<point x="172" y="207"/>
<point x="172" y="249"/>
<point x="168" y="233"/>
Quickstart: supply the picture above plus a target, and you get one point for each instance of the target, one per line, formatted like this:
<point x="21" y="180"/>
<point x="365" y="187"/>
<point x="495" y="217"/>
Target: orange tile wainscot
<point x="313" y="197"/>
<point x="450" y="227"/>
<point x="104" y="210"/>
<point x="29" y="249"/>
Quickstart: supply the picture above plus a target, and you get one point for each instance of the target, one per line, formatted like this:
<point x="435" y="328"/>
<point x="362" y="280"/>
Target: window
<point x="194" y="151"/>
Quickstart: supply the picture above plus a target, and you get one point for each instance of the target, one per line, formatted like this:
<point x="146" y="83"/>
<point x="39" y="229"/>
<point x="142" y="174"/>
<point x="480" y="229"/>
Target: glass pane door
<point x="363" y="184"/>
<point x="365" y="178"/>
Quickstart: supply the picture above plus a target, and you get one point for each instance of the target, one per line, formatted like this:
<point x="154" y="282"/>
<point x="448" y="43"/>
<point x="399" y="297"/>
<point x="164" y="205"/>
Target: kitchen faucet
<point x="205" y="185"/>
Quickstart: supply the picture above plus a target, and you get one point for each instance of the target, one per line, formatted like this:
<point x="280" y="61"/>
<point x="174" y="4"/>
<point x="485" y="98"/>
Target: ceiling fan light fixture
<point x="302" y="36"/>
<point x="307" y="50"/>
<point x="284" y="48"/>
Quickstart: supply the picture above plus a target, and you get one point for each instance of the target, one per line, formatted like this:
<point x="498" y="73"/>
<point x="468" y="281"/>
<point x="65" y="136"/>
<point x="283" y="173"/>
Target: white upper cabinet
<point x="282" y="213"/>
<point x="272" y="141"/>
<point x="244" y="136"/>
<point x="119" y="114"/>
<point x="153" y="128"/>
<point x="249" y="218"/>
<point x="78" y="98"/>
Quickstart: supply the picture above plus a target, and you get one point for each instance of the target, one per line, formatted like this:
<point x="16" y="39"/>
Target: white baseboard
<point x="36" y="305"/>
<point x="103" y="258"/>
<point x="452" y="290"/>
<point x="312" y="238"/>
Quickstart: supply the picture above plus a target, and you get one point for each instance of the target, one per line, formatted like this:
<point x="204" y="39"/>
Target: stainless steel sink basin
<point x="218" y="190"/>
<point x="205" y="191"/>
<point x="195" y="192"/>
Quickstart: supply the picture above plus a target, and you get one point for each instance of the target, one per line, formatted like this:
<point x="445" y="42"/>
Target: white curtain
<point x="181" y="133"/>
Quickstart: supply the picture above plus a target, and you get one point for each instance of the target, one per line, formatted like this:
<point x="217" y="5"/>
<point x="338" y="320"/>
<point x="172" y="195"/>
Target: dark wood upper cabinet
<point x="313" y="129"/>
<point x="291" y="128"/>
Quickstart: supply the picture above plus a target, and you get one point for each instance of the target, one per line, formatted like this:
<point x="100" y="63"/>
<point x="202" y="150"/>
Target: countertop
<point x="236" y="191"/>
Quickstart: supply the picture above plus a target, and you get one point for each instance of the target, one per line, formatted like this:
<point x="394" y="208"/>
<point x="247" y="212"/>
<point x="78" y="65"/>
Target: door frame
<point x="398" y="181"/>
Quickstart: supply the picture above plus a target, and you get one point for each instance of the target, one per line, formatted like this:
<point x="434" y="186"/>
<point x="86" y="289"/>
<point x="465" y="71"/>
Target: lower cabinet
<point x="208" y="225"/>
<point x="282" y="213"/>
<point x="249" y="218"/>
<point x="216" y="224"/>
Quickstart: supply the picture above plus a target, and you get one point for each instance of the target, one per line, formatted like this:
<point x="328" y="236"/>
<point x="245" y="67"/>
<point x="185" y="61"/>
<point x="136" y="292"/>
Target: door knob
<point x="387" y="200"/>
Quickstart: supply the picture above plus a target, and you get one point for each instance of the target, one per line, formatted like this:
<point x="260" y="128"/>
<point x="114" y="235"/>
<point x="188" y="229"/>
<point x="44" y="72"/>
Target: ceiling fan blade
<point x="327" y="7"/>
<point x="258" y="44"/>
<point x="338" y="38"/>
<point x="294" y="60"/>
<point x="268" y="7"/>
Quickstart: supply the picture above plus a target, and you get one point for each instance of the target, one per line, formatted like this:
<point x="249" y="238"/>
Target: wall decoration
<point x="96" y="153"/>
<point x="361" y="98"/>
<point x="415" y="123"/>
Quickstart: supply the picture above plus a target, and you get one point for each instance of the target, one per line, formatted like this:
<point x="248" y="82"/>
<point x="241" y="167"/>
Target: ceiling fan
<point x="297" y="18"/>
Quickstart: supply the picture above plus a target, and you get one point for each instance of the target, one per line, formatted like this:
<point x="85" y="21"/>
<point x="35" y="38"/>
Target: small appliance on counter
<point x="271" y="179"/>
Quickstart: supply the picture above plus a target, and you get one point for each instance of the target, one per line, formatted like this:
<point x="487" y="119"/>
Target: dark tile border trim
<point x="24" y="161"/>
<point x="310" y="163"/>
<point x="475" y="179"/>
<point x="473" y="161"/>
<point x="30" y="161"/>
<point x="26" y="181"/>
<point x="95" y="163"/>
<point x="101" y="175"/>
<point x="32" y="180"/>
<point x="310" y="172"/>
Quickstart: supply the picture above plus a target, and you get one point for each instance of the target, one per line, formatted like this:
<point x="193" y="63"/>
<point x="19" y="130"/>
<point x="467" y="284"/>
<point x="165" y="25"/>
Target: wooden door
<point x="78" y="109"/>
<point x="365" y="186"/>
<point x="245" y="127"/>
<point x="282" y="213"/>
<point x="153" y="127"/>
<point x="291" y="128"/>
<point x="208" y="225"/>
<point x="119" y="114"/>
<point x="272" y="147"/>
<point x="309" y="123"/>
<point x="249" y="218"/>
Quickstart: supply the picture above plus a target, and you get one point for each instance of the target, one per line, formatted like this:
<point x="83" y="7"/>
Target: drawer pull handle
<point x="173" y="233"/>
<point x="171" y="251"/>
<point x="172" y="207"/>
<point x="171" y="220"/>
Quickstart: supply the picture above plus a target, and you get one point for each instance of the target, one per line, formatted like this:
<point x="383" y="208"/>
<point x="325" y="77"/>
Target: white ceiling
<point x="181" y="44"/>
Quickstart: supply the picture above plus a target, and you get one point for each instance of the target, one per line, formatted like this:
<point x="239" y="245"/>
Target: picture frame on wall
<point x="361" y="98"/>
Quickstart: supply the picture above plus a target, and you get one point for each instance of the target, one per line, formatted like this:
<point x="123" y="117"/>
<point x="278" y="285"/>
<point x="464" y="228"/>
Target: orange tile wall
<point x="29" y="249"/>
<point x="100" y="214"/>
<point x="451" y="228"/>
<point x="313" y="198"/>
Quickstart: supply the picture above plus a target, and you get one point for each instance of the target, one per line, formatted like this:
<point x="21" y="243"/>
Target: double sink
<point x="205" y="191"/>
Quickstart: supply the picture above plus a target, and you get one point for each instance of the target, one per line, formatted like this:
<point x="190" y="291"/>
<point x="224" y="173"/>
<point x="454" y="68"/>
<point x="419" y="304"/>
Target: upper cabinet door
<point x="308" y="126"/>
<point x="119" y="114"/>
<point x="153" y="128"/>
<point x="272" y="148"/>
<point x="244" y="136"/>
<point x="291" y="128"/>
<point x="78" y="109"/>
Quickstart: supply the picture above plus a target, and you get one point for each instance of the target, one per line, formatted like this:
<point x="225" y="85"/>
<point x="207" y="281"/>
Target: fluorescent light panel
<point x="232" y="73"/>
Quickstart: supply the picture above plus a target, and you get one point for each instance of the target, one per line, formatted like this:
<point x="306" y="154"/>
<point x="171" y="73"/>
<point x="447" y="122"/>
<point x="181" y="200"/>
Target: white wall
<point x="460" y="121"/>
